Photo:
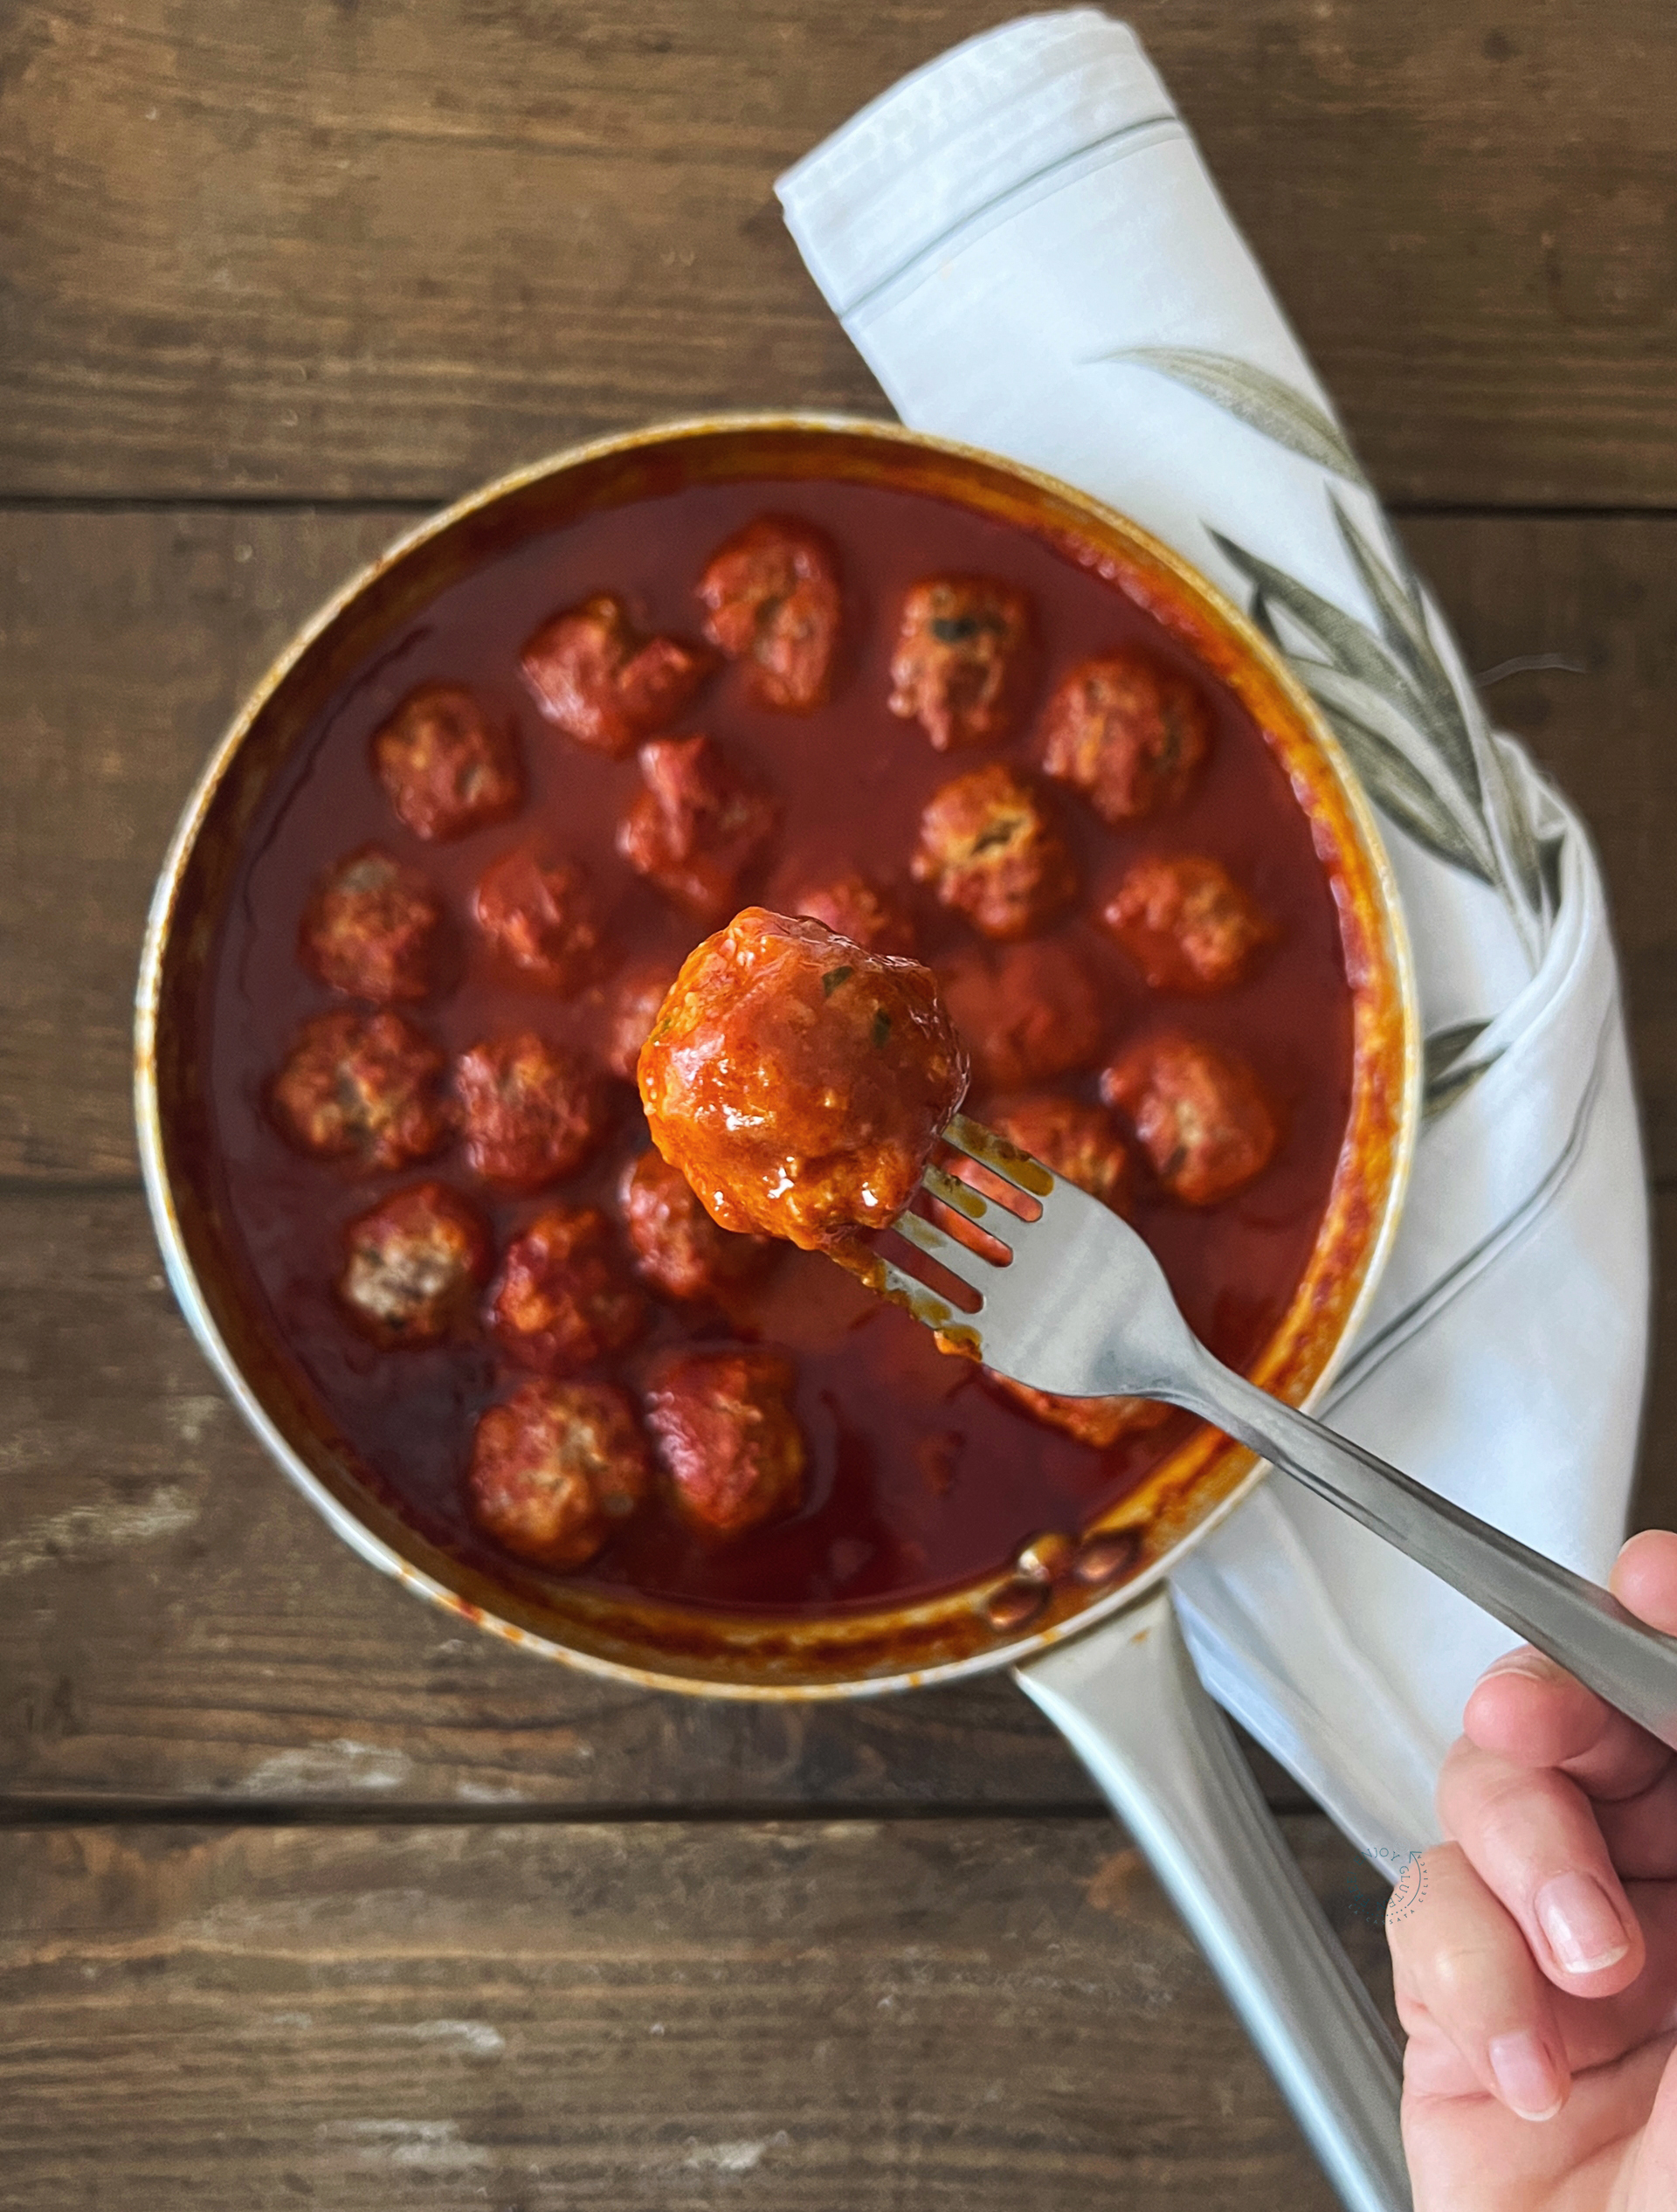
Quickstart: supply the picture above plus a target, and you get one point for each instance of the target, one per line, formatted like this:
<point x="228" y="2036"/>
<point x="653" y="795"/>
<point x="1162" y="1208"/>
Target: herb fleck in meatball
<point x="556" y="1470"/>
<point x="640" y="992"/>
<point x="541" y="917"/>
<point x="858" y="909"/>
<point x="1079" y="1141"/>
<point x="363" y="1087"/>
<point x="1128" y="732"/>
<point x="1097" y="1421"/>
<point x="798" y="1082"/>
<point x="1186" y="924"/>
<point x="447" y="766"/>
<point x="1026" y="1014"/>
<point x="605" y="685"/>
<point x="959" y="661"/>
<point x="697" y="826"/>
<point x="416" y="1262"/>
<point x="532" y="1111"/>
<point x="990" y="847"/>
<point x="771" y="599"/>
<point x="729" y="1438"/>
<point x="1198" y="1115"/>
<point x="678" y="1249"/>
<point x="563" y="1297"/>
<point x="373" y="929"/>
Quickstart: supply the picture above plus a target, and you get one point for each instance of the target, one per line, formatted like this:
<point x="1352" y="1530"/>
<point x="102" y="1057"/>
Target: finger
<point x="1531" y="1835"/>
<point x="1640" y="1832"/>
<point x="1469" y="1989"/>
<point x="1644" y="1579"/>
<point x="1526" y="1709"/>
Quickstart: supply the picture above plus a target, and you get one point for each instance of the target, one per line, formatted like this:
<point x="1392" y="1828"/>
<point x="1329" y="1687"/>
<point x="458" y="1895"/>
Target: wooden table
<point x="304" y="1895"/>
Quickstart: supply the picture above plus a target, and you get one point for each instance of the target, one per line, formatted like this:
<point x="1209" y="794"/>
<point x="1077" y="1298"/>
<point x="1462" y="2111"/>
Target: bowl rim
<point x="149" y="1118"/>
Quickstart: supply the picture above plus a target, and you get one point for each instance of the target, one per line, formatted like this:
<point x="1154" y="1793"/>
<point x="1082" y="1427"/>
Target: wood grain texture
<point x="849" y="2018"/>
<point x="364" y="250"/>
<point x="176" y="1624"/>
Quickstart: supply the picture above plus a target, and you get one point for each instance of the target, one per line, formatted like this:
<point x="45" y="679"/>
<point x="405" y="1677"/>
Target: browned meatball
<point x="640" y="992"/>
<point x="604" y="684"/>
<point x="728" y="1437"/>
<point x="532" y="1111"/>
<point x="373" y="929"/>
<point x="1186" y="924"/>
<point x="1026" y="1014"/>
<point x="563" y="1297"/>
<point x="1079" y="1141"/>
<point x="960" y="658"/>
<point x="698" y="825"/>
<point x="1097" y="1421"/>
<point x="363" y="1087"/>
<point x="415" y="1265"/>
<point x="447" y="766"/>
<point x="556" y="1470"/>
<point x="1198" y="1114"/>
<point x="990" y="847"/>
<point x="798" y="1083"/>
<point x="1129" y="733"/>
<point x="678" y="1248"/>
<point x="541" y="917"/>
<point x="858" y="909"/>
<point x="771" y="599"/>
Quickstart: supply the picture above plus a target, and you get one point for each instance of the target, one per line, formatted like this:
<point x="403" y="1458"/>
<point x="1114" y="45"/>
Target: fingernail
<point x="1532" y="1664"/>
<point x="1584" y="1931"/>
<point x="1525" y="2077"/>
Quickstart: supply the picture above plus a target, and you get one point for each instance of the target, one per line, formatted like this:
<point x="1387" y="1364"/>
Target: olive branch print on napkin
<point x="1420" y="742"/>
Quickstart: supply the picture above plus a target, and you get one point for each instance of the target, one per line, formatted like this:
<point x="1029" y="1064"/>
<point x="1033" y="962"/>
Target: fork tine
<point x="962" y="1198"/>
<point x="948" y="1251"/>
<point x="998" y="1155"/>
<point x="887" y="1280"/>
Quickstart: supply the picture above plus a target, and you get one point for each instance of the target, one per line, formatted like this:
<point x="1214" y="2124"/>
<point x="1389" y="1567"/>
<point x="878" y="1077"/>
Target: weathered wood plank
<point x="370" y="250"/>
<point x="127" y="639"/>
<point x="853" y="2017"/>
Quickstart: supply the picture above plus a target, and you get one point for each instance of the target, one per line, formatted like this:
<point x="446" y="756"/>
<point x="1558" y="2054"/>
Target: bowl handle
<point x="1127" y="1700"/>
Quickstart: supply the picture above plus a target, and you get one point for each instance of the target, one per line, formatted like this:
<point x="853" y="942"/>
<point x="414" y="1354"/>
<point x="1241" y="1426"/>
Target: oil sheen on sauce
<point x="921" y="1477"/>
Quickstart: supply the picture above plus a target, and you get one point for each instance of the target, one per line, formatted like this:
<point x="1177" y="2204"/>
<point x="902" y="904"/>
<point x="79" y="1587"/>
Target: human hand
<point x="1535" y="1954"/>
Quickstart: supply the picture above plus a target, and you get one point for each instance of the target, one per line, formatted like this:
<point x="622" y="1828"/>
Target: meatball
<point x="447" y="767"/>
<point x="990" y="847"/>
<point x="1079" y="1141"/>
<point x="1186" y="924"/>
<point x="960" y="658"/>
<point x="857" y="909"/>
<point x="604" y="684"/>
<point x="1198" y="1115"/>
<point x="1026" y="1014"/>
<point x="363" y="1087"/>
<point x="1098" y="1422"/>
<point x="678" y="1248"/>
<point x="416" y="1263"/>
<point x="532" y="1111"/>
<point x="771" y="599"/>
<point x="798" y="1083"/>
<point x="372" y="930"/>
<point x="728" y="1437"/>
<point x="541" y="917"/>
<point x="635" y="1003"/>
<point x="697" y="826"/>
<point x="563" y="1297"/>
<point x="557" y="1469"/>
<point x="1129" y="734"/>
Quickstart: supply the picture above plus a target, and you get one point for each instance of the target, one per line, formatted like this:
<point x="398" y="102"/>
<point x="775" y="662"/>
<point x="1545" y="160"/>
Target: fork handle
<point x="1581" y="1627"/>
<point x="1128" y="1701"/>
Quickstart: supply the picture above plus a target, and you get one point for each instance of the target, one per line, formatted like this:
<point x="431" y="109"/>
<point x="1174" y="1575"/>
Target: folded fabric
<point x="1023" y="242"/>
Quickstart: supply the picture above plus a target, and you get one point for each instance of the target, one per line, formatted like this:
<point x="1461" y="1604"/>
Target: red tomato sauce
<point x="919" y="1476"/>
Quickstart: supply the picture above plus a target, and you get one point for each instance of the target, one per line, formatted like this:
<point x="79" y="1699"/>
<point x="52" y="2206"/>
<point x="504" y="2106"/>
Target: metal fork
<point x="1079" y="1306"/>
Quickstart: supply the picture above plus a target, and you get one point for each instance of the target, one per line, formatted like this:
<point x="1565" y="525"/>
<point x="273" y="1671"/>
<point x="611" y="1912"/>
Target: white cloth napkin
<point x="1022" y="240"/>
